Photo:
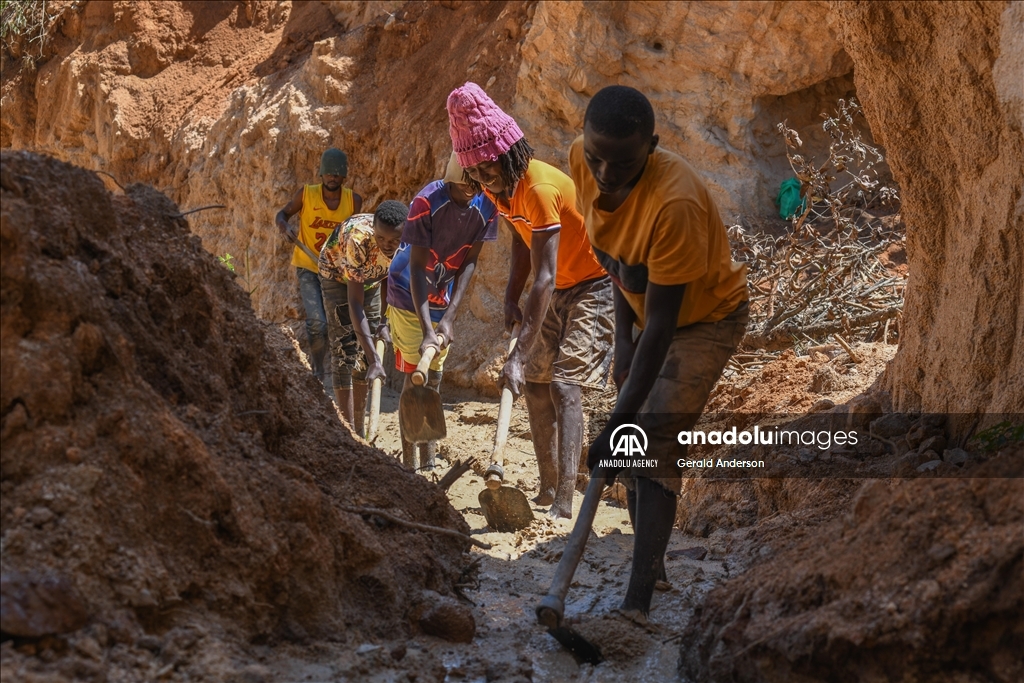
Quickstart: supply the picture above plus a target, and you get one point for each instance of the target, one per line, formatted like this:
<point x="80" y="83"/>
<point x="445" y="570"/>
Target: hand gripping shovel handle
<point x="495" y="474"/>
<point x="375" y="397"/>
<point x="552" y="607"/>
<point x="419" y="375"/>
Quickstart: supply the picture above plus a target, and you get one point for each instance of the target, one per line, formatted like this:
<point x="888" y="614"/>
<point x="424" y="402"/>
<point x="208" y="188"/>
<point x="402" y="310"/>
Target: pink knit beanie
<point x="480" y="130"/>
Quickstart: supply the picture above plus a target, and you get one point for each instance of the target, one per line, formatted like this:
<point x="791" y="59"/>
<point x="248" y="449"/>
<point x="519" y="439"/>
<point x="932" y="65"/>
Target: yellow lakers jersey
<point x="317" y="222"/>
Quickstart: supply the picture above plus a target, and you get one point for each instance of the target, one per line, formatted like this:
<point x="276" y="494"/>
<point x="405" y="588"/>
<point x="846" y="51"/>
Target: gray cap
<point x="333" y="162"/>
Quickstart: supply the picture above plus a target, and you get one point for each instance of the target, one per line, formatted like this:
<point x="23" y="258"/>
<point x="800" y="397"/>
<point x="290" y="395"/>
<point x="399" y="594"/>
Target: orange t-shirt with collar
<point x="668" y="232"/>
<point x="545" y="200"/>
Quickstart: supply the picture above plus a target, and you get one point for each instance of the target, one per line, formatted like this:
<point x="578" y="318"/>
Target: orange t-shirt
<point x="668" y="232"/>
<point x="545" y="200"/>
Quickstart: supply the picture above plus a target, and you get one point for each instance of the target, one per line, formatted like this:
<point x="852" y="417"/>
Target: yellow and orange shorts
<point x="406" y="335"/>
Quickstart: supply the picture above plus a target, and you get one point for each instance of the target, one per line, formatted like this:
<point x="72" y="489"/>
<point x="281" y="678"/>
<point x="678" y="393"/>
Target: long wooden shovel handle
<point x="496" y="473"/>
<point x="309" y="252"/>
<point x="419" y="375"/>
<point x="375" y="396"/>
<point x="552" y="607"/>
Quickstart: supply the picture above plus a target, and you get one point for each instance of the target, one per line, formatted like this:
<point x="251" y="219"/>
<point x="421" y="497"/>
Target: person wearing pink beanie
<point x="566" y="332"/>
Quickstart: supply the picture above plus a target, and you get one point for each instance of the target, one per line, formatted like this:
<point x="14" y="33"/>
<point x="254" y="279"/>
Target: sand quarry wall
<point x="912" y="579"/>
<point x="943" y="86"/>
<point x="232" y="102"/>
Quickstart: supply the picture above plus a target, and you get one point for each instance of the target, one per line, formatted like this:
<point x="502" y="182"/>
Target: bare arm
<point x="519" y="272"/>
<point x="461" y="284"/>
<point x="543" y="258"/>
<point x="357" y="203"/>
<point x="661" y="313"/>
<point x="293" y="206"/>
<point x="418" y="257"/>
<point x="625" y="347"/>
<point x="361" y="326"/>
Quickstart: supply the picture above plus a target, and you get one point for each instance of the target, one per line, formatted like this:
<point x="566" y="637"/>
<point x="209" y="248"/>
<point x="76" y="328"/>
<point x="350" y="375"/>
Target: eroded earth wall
<point x="942" y="88"/>
<point x="231" y="103"/>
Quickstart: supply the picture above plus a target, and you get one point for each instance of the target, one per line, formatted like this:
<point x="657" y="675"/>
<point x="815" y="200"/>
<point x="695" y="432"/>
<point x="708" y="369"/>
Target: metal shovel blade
<point x="422" y="415"/>
<point x="581" y="648"/>
<point x="549" y="614"/>
<point x="506" y="509"/>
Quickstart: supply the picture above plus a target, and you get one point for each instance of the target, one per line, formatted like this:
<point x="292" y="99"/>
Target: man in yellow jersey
<point x="655" y="228"/>
<point x="566" y="335"/>
<point x="321" y="208"/>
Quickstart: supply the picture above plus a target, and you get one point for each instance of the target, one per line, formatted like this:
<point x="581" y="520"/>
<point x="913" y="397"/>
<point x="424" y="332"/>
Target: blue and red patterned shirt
<point x="449" y="232"/>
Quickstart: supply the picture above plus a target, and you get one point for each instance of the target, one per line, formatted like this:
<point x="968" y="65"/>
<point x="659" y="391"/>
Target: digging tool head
<point x="494" y="476"/>
<point x="506" y="509"/>
<point x="549" y="614"/>
<point x="421" y="415"/>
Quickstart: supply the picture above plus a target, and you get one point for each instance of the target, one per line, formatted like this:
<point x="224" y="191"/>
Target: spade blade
<point x="422" y="415"/>
<point x="506" y="509"/>
<point x="581" y="648"/>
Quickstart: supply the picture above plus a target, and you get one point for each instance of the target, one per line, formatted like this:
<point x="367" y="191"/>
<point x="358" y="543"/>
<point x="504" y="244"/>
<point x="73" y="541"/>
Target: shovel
<point x="505" y="508"/>
<point x="371" y="434"/>
<point x="551" y="610"/>
<point x="309" y="252"/>
<point x="419" y="409"/>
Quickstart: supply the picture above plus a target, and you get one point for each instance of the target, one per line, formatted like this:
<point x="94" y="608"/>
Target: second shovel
<point x="419" y="409"/>
<point x="371" y="434"/>
<point x="505" y="508"/>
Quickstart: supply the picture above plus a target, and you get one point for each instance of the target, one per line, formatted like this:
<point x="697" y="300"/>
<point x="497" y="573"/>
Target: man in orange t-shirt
<point x="655" y="228"/>
<point x="566" y="332"/>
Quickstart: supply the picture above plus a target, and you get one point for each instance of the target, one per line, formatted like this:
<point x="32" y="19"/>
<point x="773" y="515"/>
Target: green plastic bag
<point x="789" y="200"/>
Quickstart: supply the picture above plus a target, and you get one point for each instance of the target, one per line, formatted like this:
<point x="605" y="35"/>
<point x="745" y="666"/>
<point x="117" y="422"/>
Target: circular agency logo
<point x="629" y="441"/>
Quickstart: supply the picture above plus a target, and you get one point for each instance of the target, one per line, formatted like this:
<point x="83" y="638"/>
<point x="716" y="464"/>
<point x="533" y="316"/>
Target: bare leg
<point x="631" y="509"/>
<point x="568" y="403"/>
<point x="654" y="515"/>
<point x="408" y="449"/>
<point x="429" y="450"/>
<point x="543" y="426"/>
<point x="343" y="396"/>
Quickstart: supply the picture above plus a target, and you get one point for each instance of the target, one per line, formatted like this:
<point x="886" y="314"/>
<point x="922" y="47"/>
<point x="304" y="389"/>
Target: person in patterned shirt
<point x="353" y="263"/>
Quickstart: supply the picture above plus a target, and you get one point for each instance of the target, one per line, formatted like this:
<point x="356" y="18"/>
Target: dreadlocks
<point x="474" y="185"/>
<point x="514" y="163"/>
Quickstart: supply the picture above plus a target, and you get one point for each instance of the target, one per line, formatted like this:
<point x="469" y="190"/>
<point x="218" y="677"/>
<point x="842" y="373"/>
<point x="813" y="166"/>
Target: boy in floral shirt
<point x="353" y="262"/>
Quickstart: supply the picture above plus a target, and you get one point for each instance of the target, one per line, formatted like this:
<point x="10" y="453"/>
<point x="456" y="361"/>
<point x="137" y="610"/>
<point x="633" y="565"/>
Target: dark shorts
<point x="694" y="363"/>
<point x="348" y="362"/>
<point x="576" y="337"/>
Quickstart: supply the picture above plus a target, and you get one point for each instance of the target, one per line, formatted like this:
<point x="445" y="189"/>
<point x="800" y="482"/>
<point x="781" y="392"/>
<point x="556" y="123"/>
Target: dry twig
<point x="383" y="514"/>
<point x="825" y="276"/>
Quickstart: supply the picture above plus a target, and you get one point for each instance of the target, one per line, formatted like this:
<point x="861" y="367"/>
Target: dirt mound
<point x="165" y="457"/>
<point x="917" y="580"/>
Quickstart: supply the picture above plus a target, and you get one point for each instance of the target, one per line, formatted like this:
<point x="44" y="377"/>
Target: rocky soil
<point x="177" y="495"/>
<point x="168" y="464"/>
<point x="175" y="492"/>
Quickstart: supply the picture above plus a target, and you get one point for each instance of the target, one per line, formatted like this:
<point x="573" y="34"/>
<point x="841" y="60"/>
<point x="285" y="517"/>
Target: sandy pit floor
<point x="511" y="579"/>
<point x="516" y="572"/>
